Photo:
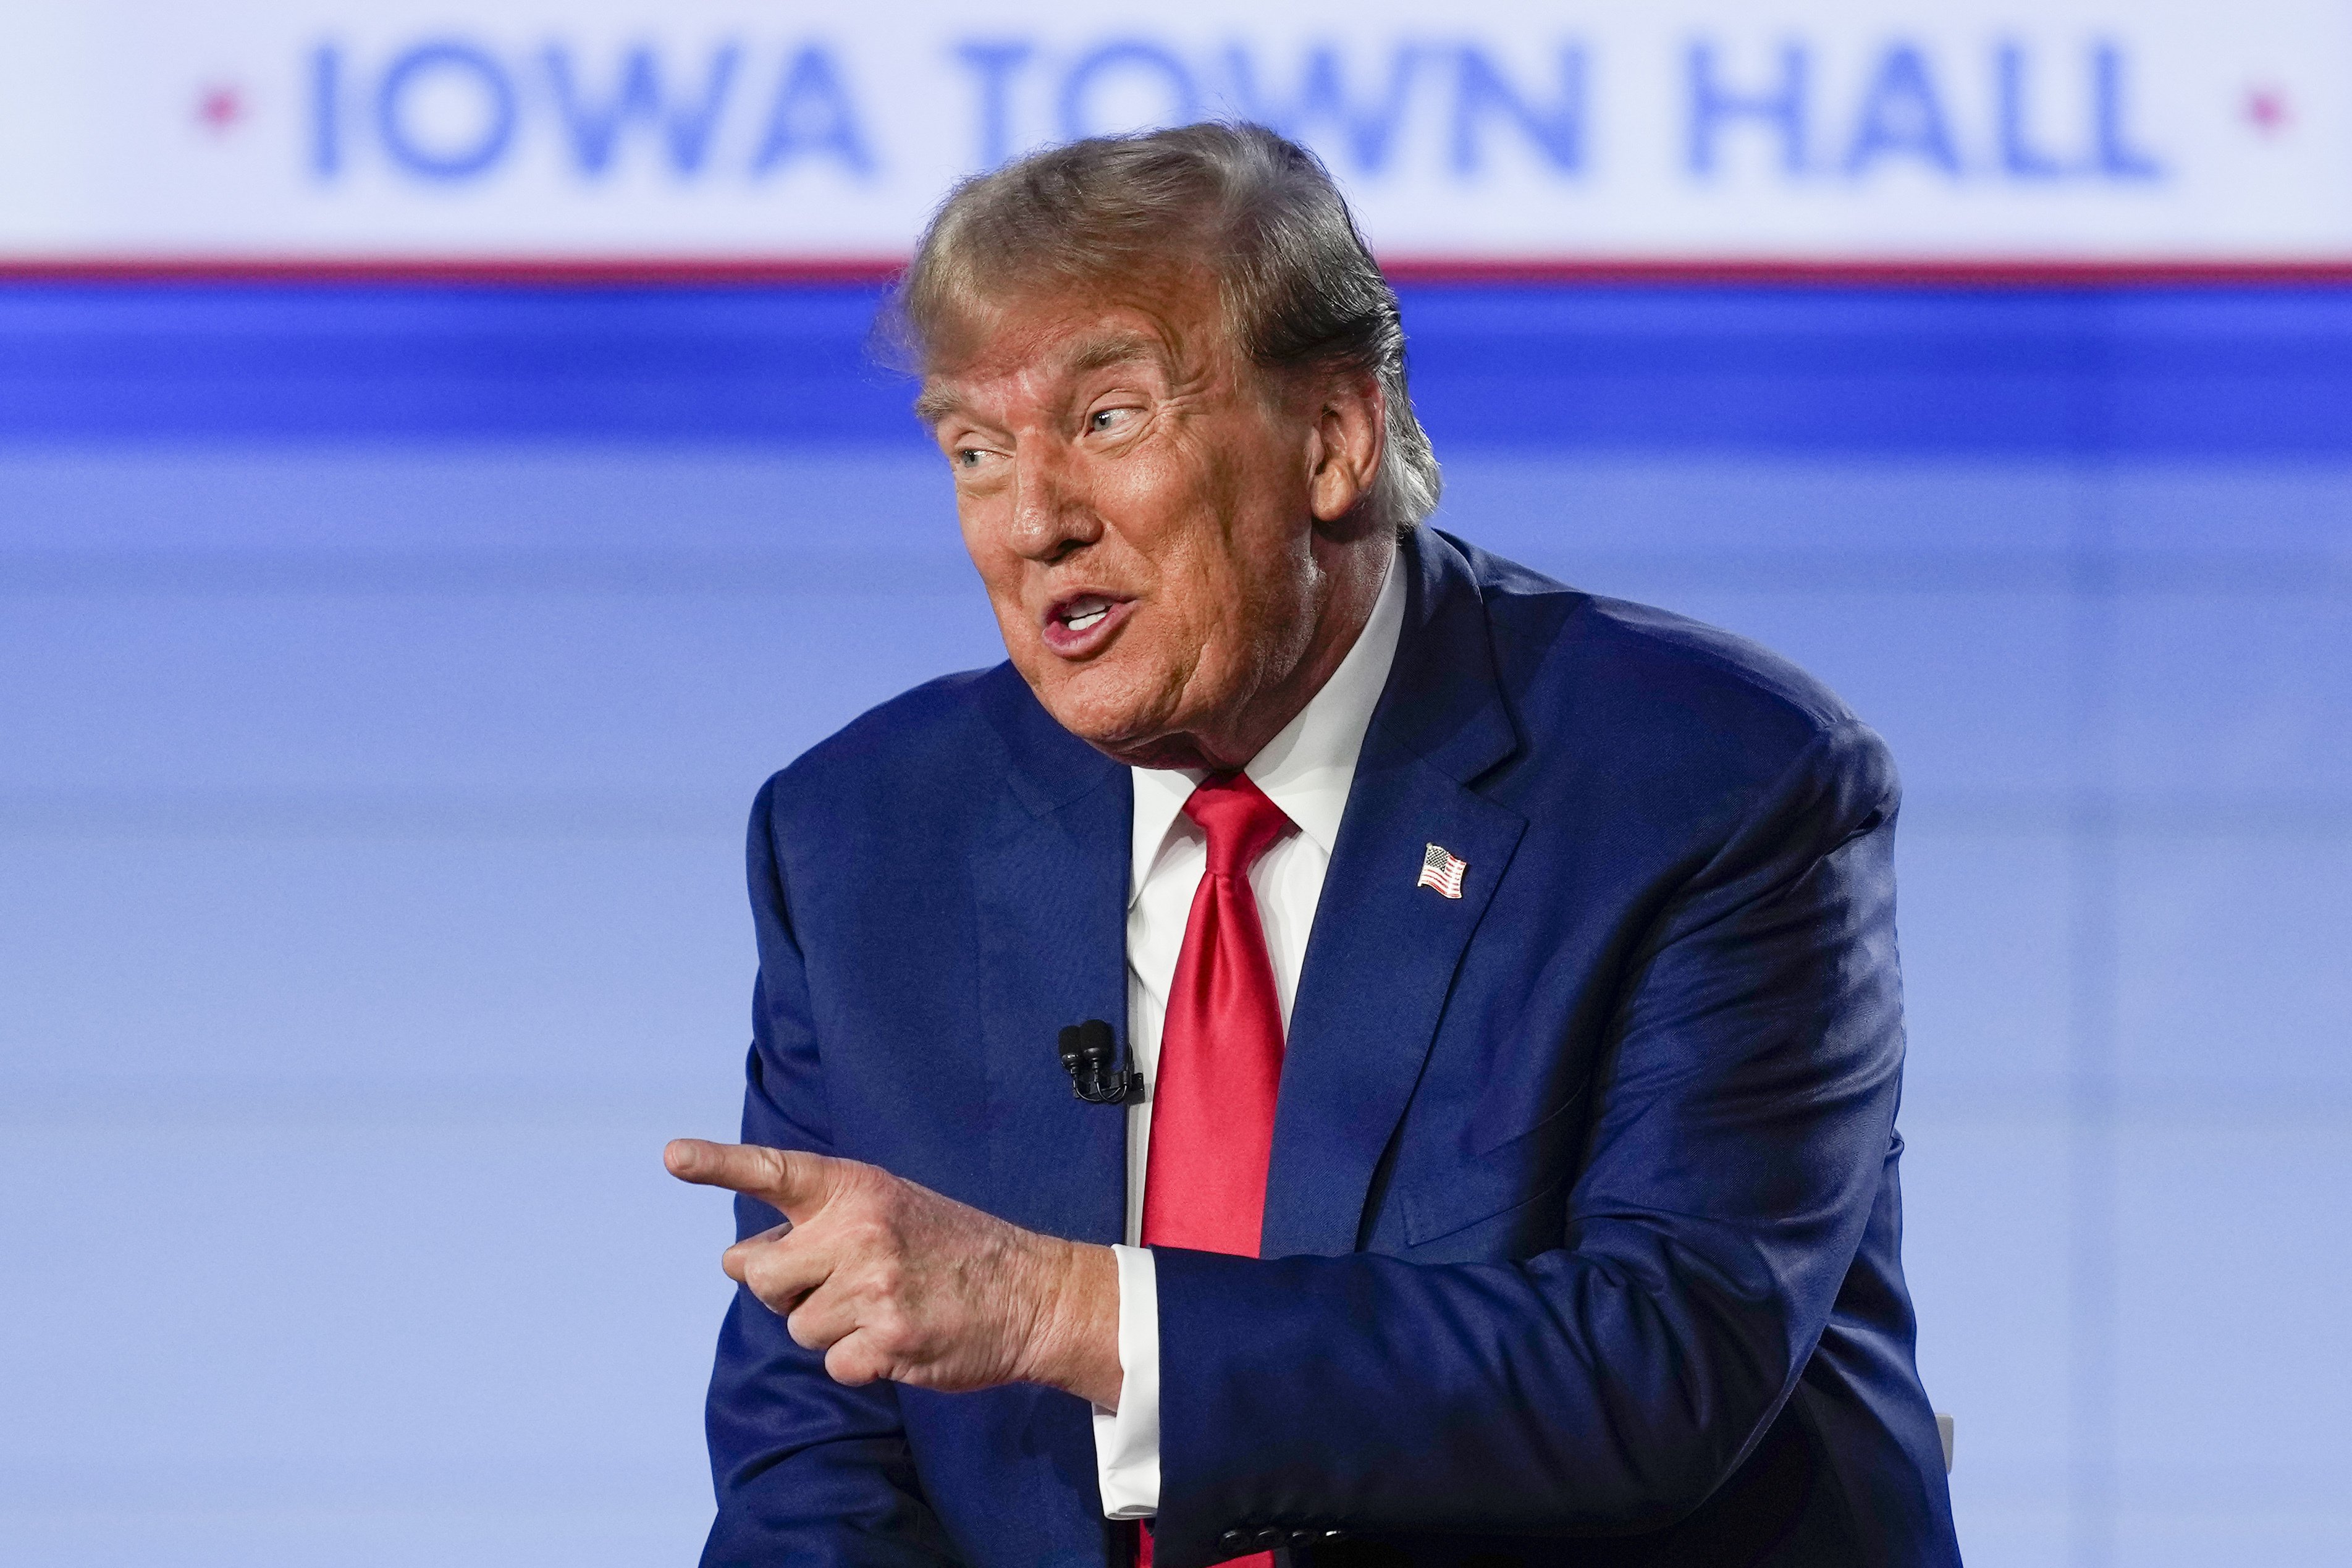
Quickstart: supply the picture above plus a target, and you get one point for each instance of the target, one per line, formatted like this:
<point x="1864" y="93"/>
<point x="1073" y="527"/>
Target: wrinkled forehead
<point x="1046" y="336"/>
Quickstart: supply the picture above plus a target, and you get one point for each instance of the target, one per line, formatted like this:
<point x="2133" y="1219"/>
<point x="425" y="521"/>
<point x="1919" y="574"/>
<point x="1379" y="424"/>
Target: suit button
<point x="1236" y="1539"/>
<point x="1271" y="1537"/>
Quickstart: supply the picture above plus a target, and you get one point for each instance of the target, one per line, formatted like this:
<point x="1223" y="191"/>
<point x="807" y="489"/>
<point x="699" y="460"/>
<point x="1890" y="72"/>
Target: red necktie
<point x="1220" y="1052"/>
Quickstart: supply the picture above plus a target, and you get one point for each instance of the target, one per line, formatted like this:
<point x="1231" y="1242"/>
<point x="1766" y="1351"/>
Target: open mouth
<point x="1083" y="622"/>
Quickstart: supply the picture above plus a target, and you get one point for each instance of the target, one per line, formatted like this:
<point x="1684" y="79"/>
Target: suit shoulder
<point x="1662" y="686"/>
<point x="917" y="745"/>
<point x="1678" y="653"/>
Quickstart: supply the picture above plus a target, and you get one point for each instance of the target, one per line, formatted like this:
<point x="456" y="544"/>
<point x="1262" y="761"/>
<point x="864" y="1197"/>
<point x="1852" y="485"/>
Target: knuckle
<point x="867" y="1237"/>
<point x="761" y="1278"/>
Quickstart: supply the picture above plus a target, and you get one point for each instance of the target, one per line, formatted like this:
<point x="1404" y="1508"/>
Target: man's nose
<point x="1052" y="509"/>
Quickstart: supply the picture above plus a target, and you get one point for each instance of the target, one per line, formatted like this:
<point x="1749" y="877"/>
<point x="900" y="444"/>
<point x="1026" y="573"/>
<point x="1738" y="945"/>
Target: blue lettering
<point x="995" y="63"/>
<point x="1184" y="100"/>
<point x="466" y="63"/>
<point x="1900" y="114"/>
<point x="1557" y="132"/>
<point x="1712" y="105"/>
<point x="594" y="129"/>
<point x="1369" y="130"/>
<point x="813" y="113"/>
<point x="2116" y="160"/>
<point x="326" y="111"/>
<point x="2018" y="156"/>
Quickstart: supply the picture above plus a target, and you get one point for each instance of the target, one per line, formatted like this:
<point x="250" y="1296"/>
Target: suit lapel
<point x="1050" y="896"/>
<point x="1383" y="953"/>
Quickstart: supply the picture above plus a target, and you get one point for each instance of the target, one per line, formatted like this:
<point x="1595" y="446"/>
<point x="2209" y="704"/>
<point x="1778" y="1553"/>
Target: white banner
<point x="2157" y="132"/>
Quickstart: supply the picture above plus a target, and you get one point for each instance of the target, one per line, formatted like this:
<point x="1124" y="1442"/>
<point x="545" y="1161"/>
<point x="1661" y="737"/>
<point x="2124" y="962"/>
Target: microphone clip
<point x="1091" y="1055"/>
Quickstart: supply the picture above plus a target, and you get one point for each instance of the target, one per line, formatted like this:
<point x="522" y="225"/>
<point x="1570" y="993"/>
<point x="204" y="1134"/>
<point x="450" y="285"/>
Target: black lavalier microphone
<point x="1090" y="1054"/>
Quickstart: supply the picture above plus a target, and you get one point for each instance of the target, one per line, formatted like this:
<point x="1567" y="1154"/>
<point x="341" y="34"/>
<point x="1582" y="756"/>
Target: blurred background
<point x="442" y="474"/>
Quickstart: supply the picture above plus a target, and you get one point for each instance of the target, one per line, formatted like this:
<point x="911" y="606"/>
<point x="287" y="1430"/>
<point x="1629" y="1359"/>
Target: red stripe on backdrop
<point x="532" y="272"/>
<point x="2024" y="273"/>
<point x="701" y="272"/>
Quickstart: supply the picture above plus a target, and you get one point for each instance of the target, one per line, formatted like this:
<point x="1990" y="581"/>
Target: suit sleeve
<point x="1746" y="1102"/>
<point x="806" y="1471"/>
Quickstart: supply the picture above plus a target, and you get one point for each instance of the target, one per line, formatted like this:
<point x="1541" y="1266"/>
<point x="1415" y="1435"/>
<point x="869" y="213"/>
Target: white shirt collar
<point x="1306" y="769"/>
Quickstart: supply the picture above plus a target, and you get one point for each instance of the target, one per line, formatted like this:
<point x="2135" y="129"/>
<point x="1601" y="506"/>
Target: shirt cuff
<point x="1127" y="1440"/>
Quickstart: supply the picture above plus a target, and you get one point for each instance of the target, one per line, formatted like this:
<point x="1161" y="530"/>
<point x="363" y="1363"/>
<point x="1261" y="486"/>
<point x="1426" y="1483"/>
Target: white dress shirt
<point x="1307" y="771"/>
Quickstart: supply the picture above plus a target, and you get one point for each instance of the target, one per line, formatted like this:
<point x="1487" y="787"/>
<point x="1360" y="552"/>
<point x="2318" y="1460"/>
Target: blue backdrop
<point x="384" y="673"/>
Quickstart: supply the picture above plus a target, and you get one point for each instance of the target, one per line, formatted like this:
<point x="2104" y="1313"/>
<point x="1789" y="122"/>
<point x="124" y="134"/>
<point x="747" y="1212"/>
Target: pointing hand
<point x="892" y="1280"/>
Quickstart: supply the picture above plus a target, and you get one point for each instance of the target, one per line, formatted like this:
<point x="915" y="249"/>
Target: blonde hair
<point x="1300" y="288"/>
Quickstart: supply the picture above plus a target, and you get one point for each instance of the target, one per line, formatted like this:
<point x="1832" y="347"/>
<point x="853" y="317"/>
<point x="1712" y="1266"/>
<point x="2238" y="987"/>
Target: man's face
<point x="1139" y="502"/>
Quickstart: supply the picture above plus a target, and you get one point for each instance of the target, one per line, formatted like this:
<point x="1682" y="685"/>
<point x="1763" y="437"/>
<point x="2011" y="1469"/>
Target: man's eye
<point x="967" y="457"/>
<point x="1103" y="418"/>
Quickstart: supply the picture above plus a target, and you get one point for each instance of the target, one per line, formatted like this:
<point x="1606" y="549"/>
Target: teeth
<point x="1080" y="623"/>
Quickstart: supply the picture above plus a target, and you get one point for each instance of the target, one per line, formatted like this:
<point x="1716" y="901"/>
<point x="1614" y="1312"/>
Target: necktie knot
<point x="1241" y="822"/>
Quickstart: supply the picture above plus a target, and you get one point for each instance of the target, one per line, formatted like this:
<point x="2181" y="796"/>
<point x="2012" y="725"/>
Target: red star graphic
<point x="219" y="108"/>
<point x="2266" y="110"/>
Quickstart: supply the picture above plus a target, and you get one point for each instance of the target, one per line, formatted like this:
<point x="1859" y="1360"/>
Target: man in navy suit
<point x="1511" y="973"/>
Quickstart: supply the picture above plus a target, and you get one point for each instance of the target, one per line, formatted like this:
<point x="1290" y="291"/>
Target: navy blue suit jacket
<point x="1582" y="1230"/>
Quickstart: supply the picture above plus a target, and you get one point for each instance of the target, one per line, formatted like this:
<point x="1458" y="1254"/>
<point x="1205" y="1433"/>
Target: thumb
<point x="786" y="1179"/>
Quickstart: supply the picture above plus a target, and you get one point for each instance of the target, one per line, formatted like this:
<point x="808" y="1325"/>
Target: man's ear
<point x="1352" y="432"/>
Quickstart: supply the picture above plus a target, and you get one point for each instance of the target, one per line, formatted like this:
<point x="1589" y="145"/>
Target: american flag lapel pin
<point x="1441" y="869"/>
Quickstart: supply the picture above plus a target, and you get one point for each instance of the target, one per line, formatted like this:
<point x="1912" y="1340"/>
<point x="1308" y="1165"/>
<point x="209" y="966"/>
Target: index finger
<point x="784" y="1179"/>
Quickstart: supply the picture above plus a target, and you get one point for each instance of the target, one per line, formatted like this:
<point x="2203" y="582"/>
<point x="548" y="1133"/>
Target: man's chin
<point x="1114" y="724"/>
<point x="1113" y="735"/>
<point x="1139" y="745"/>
